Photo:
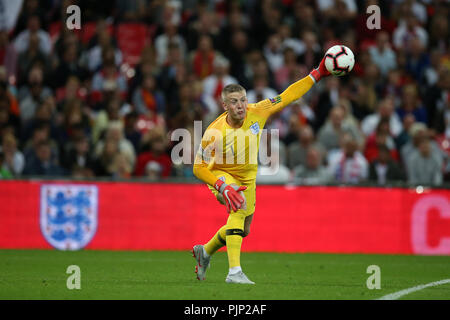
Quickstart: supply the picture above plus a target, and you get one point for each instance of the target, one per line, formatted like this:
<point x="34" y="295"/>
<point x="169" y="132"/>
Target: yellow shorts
<point x="249" y="193"/>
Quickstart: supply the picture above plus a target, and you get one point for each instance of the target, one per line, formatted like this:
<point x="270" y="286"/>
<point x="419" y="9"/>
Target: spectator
<point x="30" y="57"/>
<point x="22" y="40"/>
<point x="237" y="54"/>
<point x="42" y="164"/>
<point x="131" y="130"/>
<point x="348" y="165"/>
<point x="213" y="85"/>
<point x="290" y="71"/>
<point x="260" y="91"/>
<point x="385" y="111"/>
<point x="13" y="159"/>
<point x="79" y="156"/>
<point x="104" y="49"/>
<point x="120" y="168"/>
<point x="148" y="100"/>
<point x="328" y="98"/>
<point x="311" y="55"/>
<point x="206" y="24"/>
<point x="69" y="66"/>
<point x="162" y="42"/>
<point x="305" y="17"/>
<point x="312" y="172"/>
<point x="237" y="22"/>
<point x="75" y="117"/>
<point x="4" y="172"/>
<point x="102" y="166"/>
<point x="381" y="137"/>
<point x="328" y="135"/>
<point x="419" y="132"/>
<point x="297" y="150"/>
<point x="172" y="72"/>
<point x="404" y="137"/>
<point x="273" y="52"/>
<point x="271" y="170"/>
<point x="417" y="60"/>
<point x="8" y="56"/>
<point x="6" y="96"/>
<point x="411" y="104"/>
<point x="439" y="32"/>
<point x="341" y="8"/>
<point x="406" y="31"/>
<point x="384" y="170"/>
<point x="157" y="153"/>
<point x="108" y="77"/>
<point x="382" y="54"/>
<point x="153" y="171"/>
<point x="9" y="122"/>
<point x="202" y="58"/>
<point x="436" y="99"/>
<point x="115" y="133"/>
<point x="288" y="41"/>
<point x="41" y="133"/>
<point x="425" y="166"/>
<point x="190" y="106"/>
<point x="32" y="94"/>
<point x="131" y="10"/>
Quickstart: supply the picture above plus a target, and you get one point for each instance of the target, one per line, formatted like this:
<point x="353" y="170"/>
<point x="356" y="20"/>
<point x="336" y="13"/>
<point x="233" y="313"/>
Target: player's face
<point x="236" y="105"/>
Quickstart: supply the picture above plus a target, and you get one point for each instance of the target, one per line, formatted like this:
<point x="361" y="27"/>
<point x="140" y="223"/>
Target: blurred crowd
<point x="103" y="101"/>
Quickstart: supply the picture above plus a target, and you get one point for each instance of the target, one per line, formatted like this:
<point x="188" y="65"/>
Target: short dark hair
<point x="234" y="87"/>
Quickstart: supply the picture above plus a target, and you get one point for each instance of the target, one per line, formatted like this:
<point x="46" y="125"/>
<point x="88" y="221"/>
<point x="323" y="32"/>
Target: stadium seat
<point x="89" y="29"/>
<point x="132" y="38"/>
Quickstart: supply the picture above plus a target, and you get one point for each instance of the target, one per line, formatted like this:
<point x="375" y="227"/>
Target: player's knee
<point x="235" y="232"/>
<point x="246" y="233"/>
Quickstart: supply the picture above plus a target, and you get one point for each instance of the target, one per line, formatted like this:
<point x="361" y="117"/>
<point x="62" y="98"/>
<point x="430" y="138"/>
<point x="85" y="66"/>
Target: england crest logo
<point x="68" y="215"/>
<point x="254" y="128"/>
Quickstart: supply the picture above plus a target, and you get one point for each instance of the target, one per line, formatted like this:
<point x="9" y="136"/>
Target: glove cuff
<point x="315" y="75"/>
<point x="220" y="185"/>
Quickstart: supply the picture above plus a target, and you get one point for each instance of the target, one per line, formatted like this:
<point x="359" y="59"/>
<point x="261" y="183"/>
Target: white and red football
<point x="339" y="60"/>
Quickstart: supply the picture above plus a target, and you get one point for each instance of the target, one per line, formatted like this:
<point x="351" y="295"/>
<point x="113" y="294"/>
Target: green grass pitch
<point x="161" y="275"/>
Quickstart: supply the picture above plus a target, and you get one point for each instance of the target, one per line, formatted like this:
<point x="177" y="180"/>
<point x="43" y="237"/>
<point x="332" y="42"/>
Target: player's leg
<point x="242" y="219"/>
<point x="216" y="242"/>
<point x="203" y="253"/>
<point x="219" y="239"/>
<point x="234" y="237"/>
<point x="247" y="224"/>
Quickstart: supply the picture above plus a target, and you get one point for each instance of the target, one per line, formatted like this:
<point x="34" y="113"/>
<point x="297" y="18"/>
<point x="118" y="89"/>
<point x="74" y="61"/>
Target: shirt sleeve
<point x="294" y="92"/>
<point x="204" y="159"/>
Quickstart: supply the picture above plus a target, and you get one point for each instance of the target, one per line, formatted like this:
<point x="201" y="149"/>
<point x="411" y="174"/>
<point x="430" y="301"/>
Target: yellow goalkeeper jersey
<point x="235" y="151"/>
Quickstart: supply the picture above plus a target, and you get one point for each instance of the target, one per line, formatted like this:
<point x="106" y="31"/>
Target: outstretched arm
<point x="296" y="90"/>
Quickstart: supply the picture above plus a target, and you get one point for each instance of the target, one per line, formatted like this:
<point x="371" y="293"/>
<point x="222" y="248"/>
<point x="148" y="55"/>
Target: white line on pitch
<point x="399" y="294"/>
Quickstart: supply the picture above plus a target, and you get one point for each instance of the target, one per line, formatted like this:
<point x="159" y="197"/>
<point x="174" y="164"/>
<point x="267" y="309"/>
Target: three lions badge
<point x="68" y="215"/>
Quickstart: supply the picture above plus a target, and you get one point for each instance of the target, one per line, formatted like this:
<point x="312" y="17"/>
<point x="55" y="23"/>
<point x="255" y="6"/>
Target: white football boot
<point x="238" y="277"/>
<point x="202" y="261"/>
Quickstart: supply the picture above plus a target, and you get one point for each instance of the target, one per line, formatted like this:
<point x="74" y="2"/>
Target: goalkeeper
<point x="229" y="167"/>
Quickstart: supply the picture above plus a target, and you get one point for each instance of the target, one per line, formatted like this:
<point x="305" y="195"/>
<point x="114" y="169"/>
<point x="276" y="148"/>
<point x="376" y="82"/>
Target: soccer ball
<point x="339" y="60"/>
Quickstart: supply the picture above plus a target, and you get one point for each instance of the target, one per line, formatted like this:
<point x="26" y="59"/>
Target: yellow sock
<point x="216" y="242"/>
<point x="234" y="234"/>
<point x="234" y="243"/>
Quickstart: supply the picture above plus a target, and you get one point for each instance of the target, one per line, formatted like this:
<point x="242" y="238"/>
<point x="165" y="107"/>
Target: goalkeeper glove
<point x="319" y="72"/>
<point x="233" y="200"/>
